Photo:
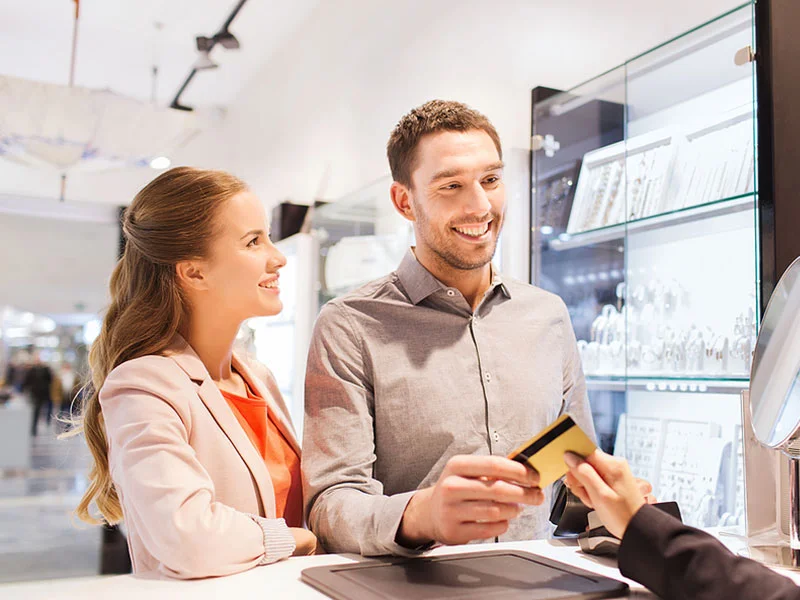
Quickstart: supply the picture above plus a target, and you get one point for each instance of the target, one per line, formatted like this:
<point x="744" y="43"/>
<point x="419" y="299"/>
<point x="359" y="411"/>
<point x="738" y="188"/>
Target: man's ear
<point x="190" y="275"/>
<point x="401" y="198"/>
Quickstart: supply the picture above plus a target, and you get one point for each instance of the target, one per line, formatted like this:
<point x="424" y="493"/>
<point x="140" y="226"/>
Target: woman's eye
<point x="252" y="242"/>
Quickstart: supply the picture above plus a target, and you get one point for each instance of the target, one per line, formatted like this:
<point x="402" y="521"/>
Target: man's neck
<point x="472" y="283"/>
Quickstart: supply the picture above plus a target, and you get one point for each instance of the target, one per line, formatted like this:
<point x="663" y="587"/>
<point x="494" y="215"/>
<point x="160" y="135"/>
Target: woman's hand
<point x="606" y="484"/>
<point x="305" y="540"/>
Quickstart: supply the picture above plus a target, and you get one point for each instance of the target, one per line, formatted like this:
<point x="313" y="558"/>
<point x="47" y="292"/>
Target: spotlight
<point x="227" y="39"/>
<point x="203" y="43"/>
<point x="160" y="162"/>
<point x="204" y="62"/>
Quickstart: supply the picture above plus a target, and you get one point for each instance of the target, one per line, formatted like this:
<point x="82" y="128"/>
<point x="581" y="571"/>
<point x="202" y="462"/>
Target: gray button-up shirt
<point x="402" y="376"/>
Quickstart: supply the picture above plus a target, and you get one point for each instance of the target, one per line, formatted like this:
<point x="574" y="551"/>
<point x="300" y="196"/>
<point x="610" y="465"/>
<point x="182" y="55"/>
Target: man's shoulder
<point x="527" y="293"/>
<point x="378" y="292"/>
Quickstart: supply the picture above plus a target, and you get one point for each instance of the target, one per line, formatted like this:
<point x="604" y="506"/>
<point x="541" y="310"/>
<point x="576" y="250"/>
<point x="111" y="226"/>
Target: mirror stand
<point x="784" y="554"/>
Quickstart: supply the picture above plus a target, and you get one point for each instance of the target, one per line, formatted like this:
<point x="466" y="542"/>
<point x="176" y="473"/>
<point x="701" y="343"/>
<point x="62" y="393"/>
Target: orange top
<point x="282" y="461"/>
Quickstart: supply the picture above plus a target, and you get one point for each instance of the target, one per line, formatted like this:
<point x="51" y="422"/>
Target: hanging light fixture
<point x="72" y="128"/>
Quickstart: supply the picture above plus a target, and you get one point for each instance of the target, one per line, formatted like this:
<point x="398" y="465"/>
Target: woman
<point x="193" y="446"/>
<point x="675" y="561"/>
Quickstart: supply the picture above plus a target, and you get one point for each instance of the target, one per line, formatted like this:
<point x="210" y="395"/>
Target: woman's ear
<point x="190" y="275"/>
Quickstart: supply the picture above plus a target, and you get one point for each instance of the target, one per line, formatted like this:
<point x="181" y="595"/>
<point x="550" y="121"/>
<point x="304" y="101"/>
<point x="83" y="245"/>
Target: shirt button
<point x="496" y="436"/>
<point x="451" y="293"/>
<point x="488" y="377"/>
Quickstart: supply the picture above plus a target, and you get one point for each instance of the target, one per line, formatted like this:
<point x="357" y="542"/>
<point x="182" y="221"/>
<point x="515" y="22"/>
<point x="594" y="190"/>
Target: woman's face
<point x="241" y="272"/>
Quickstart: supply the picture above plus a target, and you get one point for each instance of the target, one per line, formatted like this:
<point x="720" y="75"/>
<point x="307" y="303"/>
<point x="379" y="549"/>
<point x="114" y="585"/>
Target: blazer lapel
<point x="274" y="401"/>
<point x="218" y="407"/>
<point x="223" y="415"/>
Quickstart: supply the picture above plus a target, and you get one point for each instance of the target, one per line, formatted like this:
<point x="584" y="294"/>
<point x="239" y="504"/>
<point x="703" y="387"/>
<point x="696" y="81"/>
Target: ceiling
<point x="118" y="43"/>
<point x="57" y="257"/>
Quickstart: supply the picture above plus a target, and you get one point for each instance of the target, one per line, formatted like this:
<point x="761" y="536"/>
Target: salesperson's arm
<point x="673" y="560"/>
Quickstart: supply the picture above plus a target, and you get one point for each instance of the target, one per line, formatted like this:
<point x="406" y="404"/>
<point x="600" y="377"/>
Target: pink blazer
<point x="185" y="470"/>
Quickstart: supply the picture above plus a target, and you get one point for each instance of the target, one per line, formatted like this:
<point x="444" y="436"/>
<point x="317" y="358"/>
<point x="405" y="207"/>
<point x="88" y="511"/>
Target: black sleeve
<point x="676" y="562"/>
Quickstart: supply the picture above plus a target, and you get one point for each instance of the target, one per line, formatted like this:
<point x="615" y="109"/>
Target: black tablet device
<point x="496" y="574"/>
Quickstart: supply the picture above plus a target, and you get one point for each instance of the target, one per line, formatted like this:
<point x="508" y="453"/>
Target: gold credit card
<point x="545" y="451"/>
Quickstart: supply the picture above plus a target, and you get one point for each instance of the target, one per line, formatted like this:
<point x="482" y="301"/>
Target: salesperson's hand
<point x="306" y="542"/>
<point x="606" y="484"/>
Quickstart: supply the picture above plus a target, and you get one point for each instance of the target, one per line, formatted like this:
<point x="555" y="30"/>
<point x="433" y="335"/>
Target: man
<point x="420" y="383"/>
<point x="38" y="380"/>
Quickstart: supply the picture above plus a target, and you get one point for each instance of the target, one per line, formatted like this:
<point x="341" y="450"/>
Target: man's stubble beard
<point x="450" y="256"/>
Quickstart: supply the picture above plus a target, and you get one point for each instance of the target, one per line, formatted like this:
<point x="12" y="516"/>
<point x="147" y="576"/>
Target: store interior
<point x="632" y="192"/>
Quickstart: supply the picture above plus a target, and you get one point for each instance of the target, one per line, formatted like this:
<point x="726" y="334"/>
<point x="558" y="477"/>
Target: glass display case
<point x="360" y="237"/>
<point x="644" y="220"/>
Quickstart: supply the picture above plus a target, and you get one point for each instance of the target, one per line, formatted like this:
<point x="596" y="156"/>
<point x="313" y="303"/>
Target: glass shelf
<point x="672" y="383"/>
<point x="726" y="206"/>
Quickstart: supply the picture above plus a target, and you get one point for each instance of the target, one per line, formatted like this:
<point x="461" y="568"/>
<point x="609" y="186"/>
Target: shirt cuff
<point x="278" y="540"/>
<point x="393" y="512"/>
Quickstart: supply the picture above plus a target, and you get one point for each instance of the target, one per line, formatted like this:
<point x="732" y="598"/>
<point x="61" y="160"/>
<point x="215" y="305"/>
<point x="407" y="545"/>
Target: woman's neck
<point x="213" y="343"/>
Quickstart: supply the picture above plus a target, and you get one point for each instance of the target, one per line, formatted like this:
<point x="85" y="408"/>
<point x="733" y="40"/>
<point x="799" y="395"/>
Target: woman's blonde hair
<point x="173" y="218"/>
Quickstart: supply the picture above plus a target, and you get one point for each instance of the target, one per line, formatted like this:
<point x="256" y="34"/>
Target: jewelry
<point x="634" y="354"/>
<point x="695" y="351"/>
<point x="639" y="296"/>
<point x="721" y="354"/>
<point x="598" y="327"/>
<point x="620" y="293"/>
<point x="592" y="354"/>
<point x="652" y="356"/>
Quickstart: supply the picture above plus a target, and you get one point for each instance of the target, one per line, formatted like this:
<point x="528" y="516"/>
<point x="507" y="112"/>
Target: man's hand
<point x="607" y="485"/>
<point x="306" y="542"/>
<point x="474" y="498"/>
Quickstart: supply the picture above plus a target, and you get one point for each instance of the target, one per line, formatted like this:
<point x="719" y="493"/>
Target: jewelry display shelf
<point x="726" y="206"/>
<point x="670" y="383"/>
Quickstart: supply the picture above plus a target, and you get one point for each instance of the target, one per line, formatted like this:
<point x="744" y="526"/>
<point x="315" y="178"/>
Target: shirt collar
<point x="419" y="283"/>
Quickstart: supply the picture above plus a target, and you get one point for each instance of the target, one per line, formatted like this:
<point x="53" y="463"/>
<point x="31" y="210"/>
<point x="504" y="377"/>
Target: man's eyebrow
<point x="453" y="172"/>
<point x="252" y="232"/>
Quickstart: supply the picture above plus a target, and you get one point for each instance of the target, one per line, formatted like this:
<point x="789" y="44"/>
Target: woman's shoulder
<point x="157" y="374"/>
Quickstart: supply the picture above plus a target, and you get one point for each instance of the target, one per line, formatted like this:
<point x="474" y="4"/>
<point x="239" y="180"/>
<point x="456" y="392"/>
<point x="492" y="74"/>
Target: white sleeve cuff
<point x="278" y="539"/>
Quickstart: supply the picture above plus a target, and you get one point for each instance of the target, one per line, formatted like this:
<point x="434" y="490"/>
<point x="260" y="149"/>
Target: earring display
<point x="663" y="172"/>
<point x="683" y="461"/>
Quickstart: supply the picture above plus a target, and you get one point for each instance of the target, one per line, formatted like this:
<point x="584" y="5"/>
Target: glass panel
<point x="691" y="274"/>
<point x="569" y="126"/>
<point x="361" y="237"/>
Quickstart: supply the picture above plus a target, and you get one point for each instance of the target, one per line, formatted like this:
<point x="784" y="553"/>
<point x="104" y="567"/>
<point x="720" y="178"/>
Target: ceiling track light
<point x="204" y="46"/>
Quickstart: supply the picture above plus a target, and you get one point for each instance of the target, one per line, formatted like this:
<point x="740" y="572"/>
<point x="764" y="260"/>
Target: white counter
<point x="282" y="580"/>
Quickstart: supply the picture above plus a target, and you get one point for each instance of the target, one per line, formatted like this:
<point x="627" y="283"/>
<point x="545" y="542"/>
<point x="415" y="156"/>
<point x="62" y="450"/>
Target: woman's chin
<point x="274" y="308"/>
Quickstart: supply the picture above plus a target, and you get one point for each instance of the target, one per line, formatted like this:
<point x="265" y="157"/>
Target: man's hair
<point x="431" y="117"/>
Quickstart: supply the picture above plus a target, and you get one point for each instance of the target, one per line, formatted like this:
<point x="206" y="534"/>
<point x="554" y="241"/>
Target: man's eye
<point x="252" y="242"/>
<point x="451" y="186"/>
<point x="492" y="179"/>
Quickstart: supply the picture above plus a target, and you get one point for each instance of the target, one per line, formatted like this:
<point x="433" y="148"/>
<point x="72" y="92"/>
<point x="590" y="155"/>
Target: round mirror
<point x="775" y="375"/>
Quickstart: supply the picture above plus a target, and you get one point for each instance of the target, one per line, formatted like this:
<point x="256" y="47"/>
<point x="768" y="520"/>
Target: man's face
<point x="457" y="197"/>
